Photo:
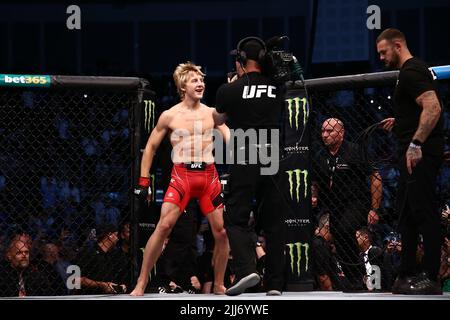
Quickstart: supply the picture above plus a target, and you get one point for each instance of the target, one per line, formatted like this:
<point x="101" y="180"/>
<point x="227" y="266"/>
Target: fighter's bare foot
<point x="219" y="289"/>
<point x="138" y="291"/>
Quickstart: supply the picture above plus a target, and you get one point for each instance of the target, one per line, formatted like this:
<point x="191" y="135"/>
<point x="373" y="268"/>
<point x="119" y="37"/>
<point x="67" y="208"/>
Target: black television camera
<point x="280" y="65"/>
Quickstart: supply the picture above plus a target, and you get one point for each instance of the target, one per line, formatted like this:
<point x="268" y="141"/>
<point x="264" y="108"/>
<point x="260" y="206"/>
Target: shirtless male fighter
<point x="190" y="125"/>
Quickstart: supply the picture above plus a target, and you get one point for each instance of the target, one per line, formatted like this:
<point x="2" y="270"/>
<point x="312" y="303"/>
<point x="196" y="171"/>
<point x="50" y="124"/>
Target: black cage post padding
<point x="109" y="83"/>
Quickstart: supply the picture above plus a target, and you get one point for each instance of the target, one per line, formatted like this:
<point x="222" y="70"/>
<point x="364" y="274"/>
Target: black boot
<point x="402" y="284"/>
<point x="423" y="285"/>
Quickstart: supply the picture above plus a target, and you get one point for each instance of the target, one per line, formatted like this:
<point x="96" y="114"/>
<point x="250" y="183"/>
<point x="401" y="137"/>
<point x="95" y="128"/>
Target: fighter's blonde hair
<point x="180" y="75"/>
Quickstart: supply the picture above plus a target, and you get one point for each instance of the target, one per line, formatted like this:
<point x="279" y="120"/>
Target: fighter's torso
<point x="191" y="134"/>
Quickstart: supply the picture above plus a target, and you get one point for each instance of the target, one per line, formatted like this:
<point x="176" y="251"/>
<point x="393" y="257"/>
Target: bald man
<point x="340" y="184"/>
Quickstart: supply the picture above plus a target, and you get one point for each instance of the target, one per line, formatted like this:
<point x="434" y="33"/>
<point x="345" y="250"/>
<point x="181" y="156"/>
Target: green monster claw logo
<point x="294" y="104"/>
<point x="297" y="174"/>
<point x="298" y="246"/>
<point x="149" y="115"/>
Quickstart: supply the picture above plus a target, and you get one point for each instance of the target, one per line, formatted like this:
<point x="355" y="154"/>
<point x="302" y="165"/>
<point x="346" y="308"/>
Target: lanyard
<point x="332" y="169"/>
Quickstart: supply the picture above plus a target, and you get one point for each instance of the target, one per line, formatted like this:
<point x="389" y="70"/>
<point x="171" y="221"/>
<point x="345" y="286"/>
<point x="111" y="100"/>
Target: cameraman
<point x="252" y="102"/>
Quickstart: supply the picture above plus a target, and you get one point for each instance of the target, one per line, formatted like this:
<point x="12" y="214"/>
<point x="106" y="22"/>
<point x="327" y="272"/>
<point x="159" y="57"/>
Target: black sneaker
<point x="402" y="284"/>
<point x="168" y="289"/>
<point x="423" y="285"/>
<point x="240" y="286"/>
<point x="193" y="290"/>
<point x="176" y="289"/>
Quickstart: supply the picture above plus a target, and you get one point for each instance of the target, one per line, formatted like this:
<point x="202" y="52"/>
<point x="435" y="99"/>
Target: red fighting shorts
<point x="195" y="180"/>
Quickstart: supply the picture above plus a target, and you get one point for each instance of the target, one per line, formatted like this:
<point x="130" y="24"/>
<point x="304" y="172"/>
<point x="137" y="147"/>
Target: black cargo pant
<point x="418" y="211"/>
<point x="246" y="184"/>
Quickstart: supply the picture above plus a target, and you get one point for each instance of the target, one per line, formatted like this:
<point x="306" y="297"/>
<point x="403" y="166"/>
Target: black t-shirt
<point x="342" y="178"/>
<point x="97" y="265"/>
<point x="252" y="101"/>
<point x="413" y="80"/>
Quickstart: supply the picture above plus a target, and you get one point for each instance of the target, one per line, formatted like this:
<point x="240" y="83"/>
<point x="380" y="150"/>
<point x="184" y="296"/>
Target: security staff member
<point x="253" y="101"/>
<point x="341" y="181"/>
<point x="418" y="126"/>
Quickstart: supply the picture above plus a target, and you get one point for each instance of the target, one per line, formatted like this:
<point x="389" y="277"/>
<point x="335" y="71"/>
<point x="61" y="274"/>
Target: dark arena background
<point x="83" y="84"/>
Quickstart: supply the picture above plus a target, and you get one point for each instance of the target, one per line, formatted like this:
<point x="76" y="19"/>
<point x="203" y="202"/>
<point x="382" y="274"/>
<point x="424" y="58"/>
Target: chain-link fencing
<point x="66" y="163"/>
<point x="355" y="175"/>
<point x="67" y="160"/>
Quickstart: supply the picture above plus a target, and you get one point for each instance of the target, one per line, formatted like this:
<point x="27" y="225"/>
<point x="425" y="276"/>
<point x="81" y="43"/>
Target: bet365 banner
<point x="24" y="80"/>
<point x="295" y="183"/>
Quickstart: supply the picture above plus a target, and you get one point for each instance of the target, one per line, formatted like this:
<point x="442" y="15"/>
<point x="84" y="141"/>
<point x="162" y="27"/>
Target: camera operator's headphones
<point x="241" y="56"/>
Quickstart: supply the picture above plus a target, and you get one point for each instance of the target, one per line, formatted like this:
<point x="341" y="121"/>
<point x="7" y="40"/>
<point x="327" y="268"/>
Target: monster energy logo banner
<point x="149" y="115"/>
<point x="294" y="111"/>
<point x="295" y="178"/>
<point x="295" y="254"/>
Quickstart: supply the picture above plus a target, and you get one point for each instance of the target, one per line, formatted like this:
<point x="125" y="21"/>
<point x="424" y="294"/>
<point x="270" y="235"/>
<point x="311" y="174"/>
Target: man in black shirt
<point x="103" y="267"/>
<point x="253" y="102"/>
<point x="418" y="126"/>
<point x="341" y="184"/>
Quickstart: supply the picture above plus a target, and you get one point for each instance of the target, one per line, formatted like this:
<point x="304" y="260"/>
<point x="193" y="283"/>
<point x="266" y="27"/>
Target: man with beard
<point x="418" y="127"/>
<point x="19" y="278"/>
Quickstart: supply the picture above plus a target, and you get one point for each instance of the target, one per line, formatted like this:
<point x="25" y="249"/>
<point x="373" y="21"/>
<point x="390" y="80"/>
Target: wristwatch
<point x="416" y="144"/>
